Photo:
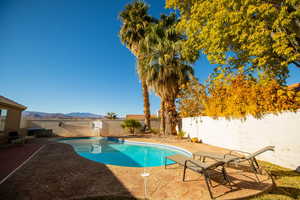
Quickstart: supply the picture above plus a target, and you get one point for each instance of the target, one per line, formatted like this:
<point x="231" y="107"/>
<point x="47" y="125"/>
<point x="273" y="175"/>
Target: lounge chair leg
<point x="165" y="163"/>
<point x="254" y="166"/>
<point x="223" y="172"/>
<point x="257" y="166"/>
<point x="254" y="169"/>
<point x="226" y="177"/>
<point x="271" y="177"/>
<point x="184" y="170"/>
<point x="209" y="180"/>
<point x="207" y="184"/>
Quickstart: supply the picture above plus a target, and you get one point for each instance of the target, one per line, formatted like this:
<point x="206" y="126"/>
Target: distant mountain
<point x="83" y="115"/>
<point x="33" y="114"/>
<point x="43" y="115"/>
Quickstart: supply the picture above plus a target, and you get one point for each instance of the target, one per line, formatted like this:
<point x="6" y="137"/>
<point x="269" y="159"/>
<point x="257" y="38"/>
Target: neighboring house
<point x="295" y="87"/>
<point x="139" y="117"/>
<point x="10" y="117"/>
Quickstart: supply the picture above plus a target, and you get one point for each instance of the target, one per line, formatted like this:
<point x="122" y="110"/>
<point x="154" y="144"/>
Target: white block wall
<point x="281" y="131"/>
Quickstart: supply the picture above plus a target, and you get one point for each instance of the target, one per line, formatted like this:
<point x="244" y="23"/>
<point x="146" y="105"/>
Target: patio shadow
<point x="284" y="173"/>
<point x="57" y="172"/>
<point x="287" y="191"/>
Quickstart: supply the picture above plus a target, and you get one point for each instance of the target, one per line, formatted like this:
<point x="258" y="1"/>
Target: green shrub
<point x="111" y="115"/>
<point x="180" y="134"/>
<point x="154" y="131"/>
<point x="131" y="125"/>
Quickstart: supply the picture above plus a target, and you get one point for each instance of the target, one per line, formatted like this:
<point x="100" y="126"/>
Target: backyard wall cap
<point x="139" y="117"/>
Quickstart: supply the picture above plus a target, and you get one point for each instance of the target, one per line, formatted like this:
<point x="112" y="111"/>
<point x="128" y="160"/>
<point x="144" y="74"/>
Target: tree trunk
<point x="134" y="48"/>
<point x="171" y="118"/>
<point x="162" y="117"/>
<point x="146" y="105"/>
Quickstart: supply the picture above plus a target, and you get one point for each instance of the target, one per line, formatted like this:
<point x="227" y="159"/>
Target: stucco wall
<point x="113" y="127"/>
<point x="281" y="131"/>
<point x="68" y="128"/>
<point x="80" y="127"/>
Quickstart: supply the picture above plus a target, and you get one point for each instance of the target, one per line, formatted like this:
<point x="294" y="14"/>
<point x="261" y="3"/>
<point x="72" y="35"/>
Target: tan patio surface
<point x="57" y="172"/>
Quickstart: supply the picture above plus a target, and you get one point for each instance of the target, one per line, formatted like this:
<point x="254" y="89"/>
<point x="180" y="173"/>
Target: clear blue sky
<point x="66" y="56"/>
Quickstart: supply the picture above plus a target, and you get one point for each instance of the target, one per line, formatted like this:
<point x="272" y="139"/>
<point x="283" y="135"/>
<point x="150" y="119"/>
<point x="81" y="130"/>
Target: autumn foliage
<point x="236" y="96"/>
<point x="263" y="35"/>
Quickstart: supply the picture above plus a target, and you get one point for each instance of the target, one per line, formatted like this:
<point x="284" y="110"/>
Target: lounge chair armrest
<point x="233" y="155"/>
<point x="194" y="163"/>
<point x="239" y="152"/>
<point x="215" y="164"/>
<point x="270" y="148"/>
<point x="212" y="165"/>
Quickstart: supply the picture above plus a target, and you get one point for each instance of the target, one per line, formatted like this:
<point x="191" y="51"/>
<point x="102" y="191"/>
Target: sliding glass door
<point x="3" y="115"/>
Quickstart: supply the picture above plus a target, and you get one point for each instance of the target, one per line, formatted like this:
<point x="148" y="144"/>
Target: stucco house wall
<point x="13" y="118"/>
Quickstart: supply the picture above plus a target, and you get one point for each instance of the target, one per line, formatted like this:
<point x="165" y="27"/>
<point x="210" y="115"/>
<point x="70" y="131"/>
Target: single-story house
<point x="10" y="117"/>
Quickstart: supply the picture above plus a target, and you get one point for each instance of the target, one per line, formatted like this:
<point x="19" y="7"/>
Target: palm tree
<point x="111" y="115"/>
<point x="163" y="66"/>
<point x="135" y="22"/>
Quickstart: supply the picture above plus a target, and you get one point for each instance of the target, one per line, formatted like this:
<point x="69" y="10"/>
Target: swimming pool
<point x="123" y="153"/>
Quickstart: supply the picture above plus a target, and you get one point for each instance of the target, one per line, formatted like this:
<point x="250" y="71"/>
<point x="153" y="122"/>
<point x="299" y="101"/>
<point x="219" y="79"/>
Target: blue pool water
<point x="122" y="153"/>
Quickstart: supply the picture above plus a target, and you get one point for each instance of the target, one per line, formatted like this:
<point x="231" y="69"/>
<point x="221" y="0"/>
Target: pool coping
<point x="171" y="147"/>
<point x="164" y="145"/>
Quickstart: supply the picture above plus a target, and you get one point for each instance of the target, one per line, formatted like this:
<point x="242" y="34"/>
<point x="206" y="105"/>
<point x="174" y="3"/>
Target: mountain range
<point x="43" y="115"/>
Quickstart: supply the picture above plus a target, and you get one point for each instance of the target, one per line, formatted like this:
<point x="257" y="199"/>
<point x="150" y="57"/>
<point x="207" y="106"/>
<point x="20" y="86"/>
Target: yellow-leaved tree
<point x="259" y="34"/>
<point x="236" y="95"/>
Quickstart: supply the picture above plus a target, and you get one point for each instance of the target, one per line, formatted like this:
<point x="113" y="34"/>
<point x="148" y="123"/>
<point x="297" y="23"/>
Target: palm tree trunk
<point x="162" y="117"/>
<point x="146" y="105"/>
<point x="171" y="117"/>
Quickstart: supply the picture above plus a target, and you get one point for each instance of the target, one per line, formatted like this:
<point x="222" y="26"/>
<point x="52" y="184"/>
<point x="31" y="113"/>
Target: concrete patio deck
<point x="57" y="172"/>
<point x="13" y="156"/>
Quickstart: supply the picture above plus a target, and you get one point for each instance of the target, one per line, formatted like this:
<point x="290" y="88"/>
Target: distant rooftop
<point x="295" y="86"/>
<point x="10" y="103"/>
<point x="138" y="117"/>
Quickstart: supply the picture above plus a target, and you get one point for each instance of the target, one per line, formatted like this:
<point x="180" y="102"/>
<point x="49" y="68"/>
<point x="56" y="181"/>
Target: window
<point x="3" y="114"/>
